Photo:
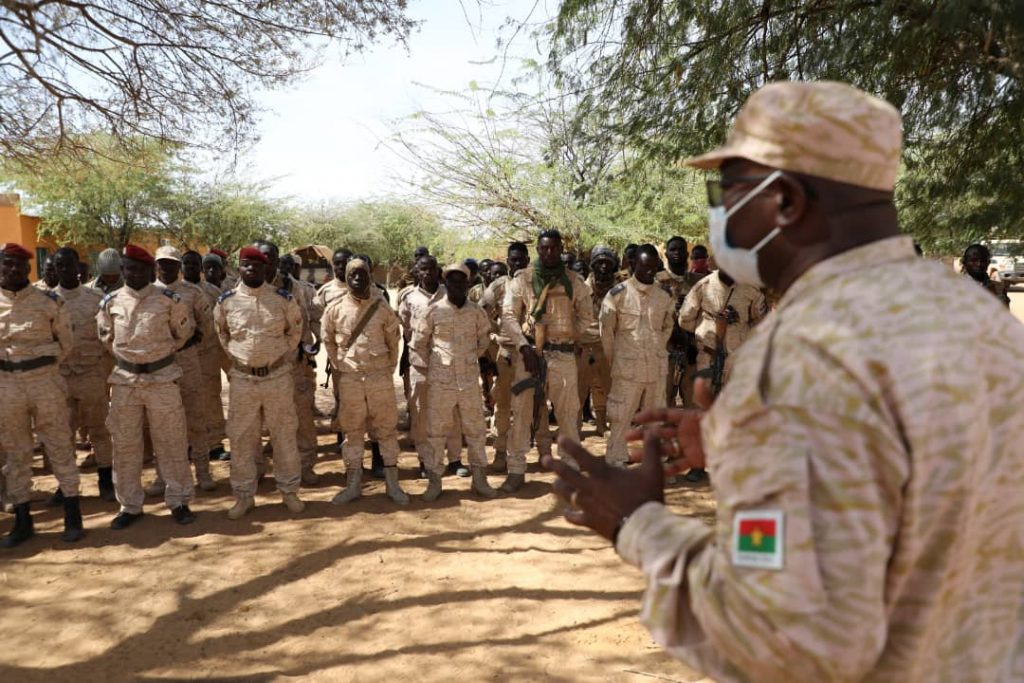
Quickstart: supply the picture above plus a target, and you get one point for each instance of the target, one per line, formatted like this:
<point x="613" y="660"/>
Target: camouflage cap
<point x="825" y="129"/>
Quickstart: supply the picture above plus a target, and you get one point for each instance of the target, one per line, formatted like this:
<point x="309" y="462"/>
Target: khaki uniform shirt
<point x="212" y="293"/>
<point x="413" y="303"/>
<point x="82" y="303"/>
<point x="377" y="347"/>
<point x="33" y="324"/>
<point x="636" y="321"/>
<point x="492" y="301"/>
<point x="199" y="307"/>
<point x="331" y="291"/>
<point x="567" y="319"/>
<point x="709" y="296"/>
<point x="598" y="290"/>
<point x="476" y="292"/>
<point x="144" y="326"/>
<point x="448" y="341"/>
<point x="867" y="463"/>
<point x="98" y="283"/>
<point x="257" y="327"/>
<point x="304" y="298"/>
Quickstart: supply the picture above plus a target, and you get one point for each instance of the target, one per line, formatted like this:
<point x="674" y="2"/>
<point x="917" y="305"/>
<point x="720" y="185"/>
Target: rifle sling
<point x="361" y="325"/>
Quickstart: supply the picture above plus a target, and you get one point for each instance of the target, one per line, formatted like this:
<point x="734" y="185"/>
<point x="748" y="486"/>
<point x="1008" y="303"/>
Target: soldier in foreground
<point x="446" y="346"/>
<point x="143" y="326"/>
<point x="35" y="337"/>
<point x="361" y="335"/>
<point x="869" y="523"/>
<point x="259" y="327"/>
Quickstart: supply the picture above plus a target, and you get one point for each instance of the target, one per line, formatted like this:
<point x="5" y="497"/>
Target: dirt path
<point x="458" y="590"/>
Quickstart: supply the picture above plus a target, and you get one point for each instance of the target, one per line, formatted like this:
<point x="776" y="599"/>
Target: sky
<point x="320" y="139"/>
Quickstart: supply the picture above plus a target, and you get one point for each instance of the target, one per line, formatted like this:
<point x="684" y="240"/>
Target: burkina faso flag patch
<point x="758" y="539"/>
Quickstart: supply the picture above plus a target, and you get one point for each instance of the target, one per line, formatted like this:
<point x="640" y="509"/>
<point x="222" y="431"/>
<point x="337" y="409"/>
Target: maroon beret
<point x="12" y="249"/>
<point x="220" y="252"/>
<point x="136" y="253"/>
<point x="252" y="254"/>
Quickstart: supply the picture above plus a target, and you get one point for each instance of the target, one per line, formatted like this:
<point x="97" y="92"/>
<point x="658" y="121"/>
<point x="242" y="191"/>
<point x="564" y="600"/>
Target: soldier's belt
<point x="144" y="368"/>
<point x="563" y="348"/>
<point x="30" y="364"/>
<point x="261" y="371"/>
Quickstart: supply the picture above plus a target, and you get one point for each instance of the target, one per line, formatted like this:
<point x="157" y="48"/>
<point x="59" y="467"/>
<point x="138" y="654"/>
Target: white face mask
<point x="740" y="264"/>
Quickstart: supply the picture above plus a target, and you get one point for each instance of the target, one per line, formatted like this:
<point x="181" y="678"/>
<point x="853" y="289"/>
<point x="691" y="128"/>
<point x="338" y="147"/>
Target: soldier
<point x="636" y="321"/>
<point x="305" y="377"/>
<point x="86" y="368"/>
<point x="35" y="337"/>
<point x="594" y="374"/>
<point x="975" y="264"/>
<point x="213" y="271"/>
<point x="361" y="337"/>
<point x="699" y="262"/>
<point x="547" y="308"/>
<point x="260" y="327"/>
<point x="332" y="291"/>
<point x="108" y="269"/>
<point x="191" y="383"/>
<point x="143" y="326"/>
<point x="447" y="343"/>
<point x="230" y="277"/>
<point x="413" y="303"/>
<point x="518" y="257"/>
<point x="292" y="265"/>
<point x="212" y="357"/>
<point x="410" y="278"/>
<point x="581" y="268"/>
<point x="49" y="280"/>
<point x="486" y="275"/>
<point x="476" y="283"/>
<point x="677" y="280"/>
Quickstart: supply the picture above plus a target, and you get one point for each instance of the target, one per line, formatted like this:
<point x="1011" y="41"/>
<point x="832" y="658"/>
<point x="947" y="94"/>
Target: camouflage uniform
<point x="636" y="321"/>
<point x="887" y="488"/>
<point x="330" y="292"/>
<point x="212" y="359"/>
<point x="446" y="346"/>
<point x="702" y="305"/>
<point x="143" y="329"/>
<point x="260" y="328"/>
<point x="365" y="375"/>
<point x="567" y="320"/>
<point x="492" y="301"/>
<point x="35" y="330"/>
<point x="594" y="374"/>
<point x="86" y="370"/>
<point x="681" y="365"/>
<point x="303" y="373"/>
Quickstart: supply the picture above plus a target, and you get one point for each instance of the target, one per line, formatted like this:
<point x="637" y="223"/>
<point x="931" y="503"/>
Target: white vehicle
<point x="1007" y="260"/>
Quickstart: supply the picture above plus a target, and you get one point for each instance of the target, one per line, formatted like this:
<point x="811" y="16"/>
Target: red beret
<point x="252" y="254"/>
<point x="220" y="252"/>
<point x="12" y="249"/>
<point x="138" y="254"/>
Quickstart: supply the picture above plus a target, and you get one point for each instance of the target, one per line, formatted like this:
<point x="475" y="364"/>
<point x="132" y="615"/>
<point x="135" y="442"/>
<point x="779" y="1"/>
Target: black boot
<point x="106" y="480"/>
<point x="23" y="529"/>
<point x="376" y="461"/>
<point x="55" y="500"/>
<point x="72" y="520"/>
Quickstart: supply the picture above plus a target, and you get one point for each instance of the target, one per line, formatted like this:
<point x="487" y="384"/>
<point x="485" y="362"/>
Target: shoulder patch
<point x="171" y="295"/>
<point x="52" y="294"/>
<point x="285" y="293"/>
<point x="758" y="539"/>
<point x="617" y="288"/>
<point x="225" y="295"/>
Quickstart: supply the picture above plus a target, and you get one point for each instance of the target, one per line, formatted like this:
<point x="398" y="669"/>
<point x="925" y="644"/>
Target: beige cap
<point x="822" y="128"/>
<point x="169" y="253"/>
<point x="460" y="267"/>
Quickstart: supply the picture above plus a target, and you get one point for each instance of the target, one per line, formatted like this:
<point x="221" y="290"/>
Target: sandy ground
<point x="462" y="589"/>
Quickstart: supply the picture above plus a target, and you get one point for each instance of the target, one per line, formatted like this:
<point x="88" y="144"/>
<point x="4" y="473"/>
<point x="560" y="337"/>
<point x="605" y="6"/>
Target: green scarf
<point x="547" y="277"/>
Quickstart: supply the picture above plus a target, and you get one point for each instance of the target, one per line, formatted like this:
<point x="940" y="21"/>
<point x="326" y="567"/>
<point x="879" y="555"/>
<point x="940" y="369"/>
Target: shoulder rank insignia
<point x="225" y="295"/>
<point x="107" y="298"/>
<point x="617" y="288"/>
<point x="52" y="294"/>
<point x="284" y="292"/>
<point x="171" y="295"/>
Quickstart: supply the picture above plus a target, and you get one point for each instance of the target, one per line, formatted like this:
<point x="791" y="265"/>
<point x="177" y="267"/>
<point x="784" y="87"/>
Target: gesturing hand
<point x="600" y="496"/>
<point x="678" y="434"/>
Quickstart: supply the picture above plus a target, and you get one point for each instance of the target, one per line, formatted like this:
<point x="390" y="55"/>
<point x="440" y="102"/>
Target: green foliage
<point x="666" y="78"/>
<point x="229" y="215"/>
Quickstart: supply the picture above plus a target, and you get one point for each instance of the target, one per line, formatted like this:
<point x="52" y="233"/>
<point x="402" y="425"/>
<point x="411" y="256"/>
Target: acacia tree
<point x="167" y="69"/>
<point x="668" y="77"/>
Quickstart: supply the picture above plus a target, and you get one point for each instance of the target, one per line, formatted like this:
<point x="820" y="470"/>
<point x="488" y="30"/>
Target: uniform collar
<point x="251" y="291"/>
<point x="640" y="286"/>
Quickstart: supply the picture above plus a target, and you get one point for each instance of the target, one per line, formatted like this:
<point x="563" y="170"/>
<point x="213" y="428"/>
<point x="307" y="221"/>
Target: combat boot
<point x="182" y="514"/>
<point x="72" y="520"/>
<point x="393" y="488"/>
<point x="512" y="483"/>
<point x="242" y="505"/>
<point x="293" y="503"/>
<point x="157" y="488"/>
<point x="56" y="499"/>
<point x="106" y="482"/>
<point x="480" y="484"/>
<point x="500" y="464"/>
<point x="433" y="487"/>
<point x="376" y="461"/>
<point x="353" y="488"/>
<point x="123" y="520"/>
<point x="23" y="529"/>
<point x="309" y="476"/>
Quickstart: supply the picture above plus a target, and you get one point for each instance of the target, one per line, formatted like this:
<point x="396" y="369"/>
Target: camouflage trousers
<point x="192" y="397"/>
<point x="369" y="408"/>
<point x="453" y="409"/>
<point x="561" y="391"/>
<point x="624" y="401"/>
<point x="158" y="405"/>
<point x="304" y="381"/>
<point x="36" y="401"/>
<point x="254" y="402"/>
<point x="419" y="391"/>
<point x="211" y="360"/>
<point x="501" y="392"/>
<point x="594" y="377"/>
<point x="87" y="408"/>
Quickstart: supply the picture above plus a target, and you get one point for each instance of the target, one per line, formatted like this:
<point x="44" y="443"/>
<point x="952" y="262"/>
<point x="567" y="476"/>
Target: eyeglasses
<point x="716" y="188"/>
